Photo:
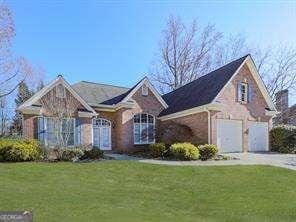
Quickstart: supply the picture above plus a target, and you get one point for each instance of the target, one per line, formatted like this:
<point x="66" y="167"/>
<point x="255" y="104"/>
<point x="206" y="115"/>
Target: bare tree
<point x="276" y="65"/>
<point x="184" y="54"/>
<point x="13" y="70"/>
<point x="228" y="49"/>
<point x="279" y="70"/>
<point x="61" y="106"/>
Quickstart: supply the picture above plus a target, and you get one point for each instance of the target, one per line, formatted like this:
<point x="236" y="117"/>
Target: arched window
<point x="101" y="122"/>
<point x="144" y="129"/>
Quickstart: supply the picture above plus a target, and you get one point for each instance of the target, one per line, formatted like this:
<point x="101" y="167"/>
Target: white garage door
<point x="229" y="135"/>
<point x="258" y="136"/>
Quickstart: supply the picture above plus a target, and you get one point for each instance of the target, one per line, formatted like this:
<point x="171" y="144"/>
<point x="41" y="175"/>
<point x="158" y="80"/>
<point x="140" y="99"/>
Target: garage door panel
<point x="229" y="135"/>
<point x="258" y="136"/>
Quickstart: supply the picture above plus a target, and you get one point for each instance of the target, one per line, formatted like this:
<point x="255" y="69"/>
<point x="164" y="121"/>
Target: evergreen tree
<point x="23" y="94"/>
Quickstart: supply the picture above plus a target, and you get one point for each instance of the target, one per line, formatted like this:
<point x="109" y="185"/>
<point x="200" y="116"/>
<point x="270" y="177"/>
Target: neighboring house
<point x="286" y="115"/>
<point x="229" y="107"/>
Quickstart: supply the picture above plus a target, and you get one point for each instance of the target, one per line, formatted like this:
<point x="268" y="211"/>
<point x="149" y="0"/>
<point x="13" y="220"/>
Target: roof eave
<point x="194" y="110"/>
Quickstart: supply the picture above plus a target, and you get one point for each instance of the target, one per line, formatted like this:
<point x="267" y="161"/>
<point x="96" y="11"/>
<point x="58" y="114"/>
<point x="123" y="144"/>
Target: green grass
<point x="131" y="191"/>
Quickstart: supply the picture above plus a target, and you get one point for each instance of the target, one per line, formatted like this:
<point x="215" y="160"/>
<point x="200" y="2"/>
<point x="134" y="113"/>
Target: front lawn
<point x="131" y="191"/>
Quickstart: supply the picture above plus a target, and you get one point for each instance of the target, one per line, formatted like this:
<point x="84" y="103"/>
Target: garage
<point x="258" y="136"/>
<point x="229" y="135"/>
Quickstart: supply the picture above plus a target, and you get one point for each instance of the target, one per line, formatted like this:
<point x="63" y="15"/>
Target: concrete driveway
<point x="273" y="159"/>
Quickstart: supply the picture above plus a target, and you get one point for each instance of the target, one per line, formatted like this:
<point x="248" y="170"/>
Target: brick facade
<point x="124" y="124"/>
<point x="252" y="111"/>
<point x="122" y="127"/>
<point x="29" y="125"/>
<point x="122" y="137"/>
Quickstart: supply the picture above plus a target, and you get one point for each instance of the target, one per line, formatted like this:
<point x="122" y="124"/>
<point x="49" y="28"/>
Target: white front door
<point x="102" y="134"/>
<point x="258" y="136"/>
<point x="229" y="135"/>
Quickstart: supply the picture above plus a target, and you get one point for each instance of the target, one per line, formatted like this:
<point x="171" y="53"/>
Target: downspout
<point x="209" y="125"/>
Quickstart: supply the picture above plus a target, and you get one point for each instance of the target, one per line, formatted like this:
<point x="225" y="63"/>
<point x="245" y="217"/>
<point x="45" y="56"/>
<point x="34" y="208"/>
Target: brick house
<point x="229" y="107"/>
<point x="286" y="115"/>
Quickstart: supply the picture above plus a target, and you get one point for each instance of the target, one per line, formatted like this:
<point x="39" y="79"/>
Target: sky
<point x="114" y="42"/>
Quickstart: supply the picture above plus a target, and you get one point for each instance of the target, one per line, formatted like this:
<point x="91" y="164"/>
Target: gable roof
<point x="144" y="81"/>
<point x="95" y="93"/>
<point x="201" y="91"/>
<point x="59" y="80"/>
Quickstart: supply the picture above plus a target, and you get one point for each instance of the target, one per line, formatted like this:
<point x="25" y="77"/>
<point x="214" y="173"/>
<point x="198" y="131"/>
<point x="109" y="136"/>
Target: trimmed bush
<point x="92" y="154"/>
<point x="19" y="150"/>
<point x="283" y="139"/>
<point x="157" y="149"/>
<point x="184" y="151"/>
<point x="71" y="154"/>
<point x="207" y="151"/>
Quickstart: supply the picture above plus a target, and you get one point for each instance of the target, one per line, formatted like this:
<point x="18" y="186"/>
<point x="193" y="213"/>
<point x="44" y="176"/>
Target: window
<point x="144" y="129"/>
<point x="243" y="92"/>
<point x="144" y="90"/>
<point x="60" y="91"/>
<point x="52" y="131"/>
<point x="101" y="122"/>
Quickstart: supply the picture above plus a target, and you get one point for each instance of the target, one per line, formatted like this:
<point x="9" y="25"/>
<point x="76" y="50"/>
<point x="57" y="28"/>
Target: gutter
<point x="209" y="125"/>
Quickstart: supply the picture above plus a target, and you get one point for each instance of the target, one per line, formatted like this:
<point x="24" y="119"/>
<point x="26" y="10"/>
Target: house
<point x="229" y="107"/>
<point x="286" y="115"/>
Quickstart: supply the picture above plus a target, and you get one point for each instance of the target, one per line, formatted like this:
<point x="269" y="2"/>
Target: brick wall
<point x="124" y="118"/>
<point x="198" y="123"/>
<point x="28" y="125"/>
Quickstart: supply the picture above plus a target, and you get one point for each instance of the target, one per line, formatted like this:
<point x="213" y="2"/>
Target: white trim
<point x="199" y="109"/>
<point x="271" y="113"/>
<point x="209" y="126"/>
<point x="154" y="123"/>
<point x="31" y="110"/>
<point x="46" y="89"/>
<point x="150" y="86"/>
<point x="45" y="129"/>
<point x="110" y="128"/>
<point x="114" y="108"/>
<point x="85" y="114"/>
<point x="249" y="61"/>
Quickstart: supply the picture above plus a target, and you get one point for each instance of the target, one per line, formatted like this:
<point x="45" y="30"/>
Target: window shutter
<point x="250" y="93"/>
<point x="77" y="131"/>
<point x="239" y="94"/>
<point x="41" y="129"/>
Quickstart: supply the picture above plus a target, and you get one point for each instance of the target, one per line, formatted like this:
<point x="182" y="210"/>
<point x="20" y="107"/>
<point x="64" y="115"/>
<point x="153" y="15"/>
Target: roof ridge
<point x="96" y="83"/>
<point x="207" y="74"/>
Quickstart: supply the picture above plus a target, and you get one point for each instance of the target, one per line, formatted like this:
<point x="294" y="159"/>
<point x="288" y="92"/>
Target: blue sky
<point x="115" y="42"/>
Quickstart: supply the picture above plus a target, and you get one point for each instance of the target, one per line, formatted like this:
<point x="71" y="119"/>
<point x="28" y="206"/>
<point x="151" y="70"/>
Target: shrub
<point x="92" y="154"/>
<point x="71" y="154"/>
<point x="19" y="150"/>
<point x="207" y="151"/>
<point x="283" y="139"/>
<point x="184" y="151"/>
<point x="157" y="149"/>
<point x="171" y="132"/>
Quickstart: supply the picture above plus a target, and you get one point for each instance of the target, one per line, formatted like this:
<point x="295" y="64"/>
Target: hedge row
<point x="283" y="139"/>
<point x="19" y="150"/>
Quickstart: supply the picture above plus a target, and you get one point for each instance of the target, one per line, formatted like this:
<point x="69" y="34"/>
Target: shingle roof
<point x="202" y="90"/>
<point x="95" y="93"/>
